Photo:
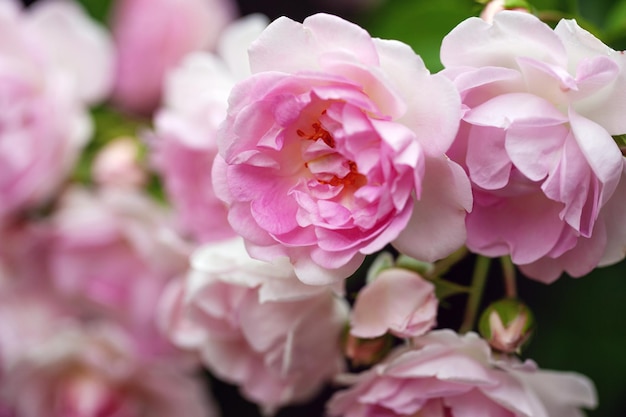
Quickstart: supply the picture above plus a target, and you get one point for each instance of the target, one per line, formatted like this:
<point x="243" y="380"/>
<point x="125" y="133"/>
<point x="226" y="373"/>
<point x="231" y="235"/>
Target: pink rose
<point x="45" y="91"/>
<point x="257" y="326"/>
<point x="94" y="371"/>
<point x="445" y="374"/>
<point x="334" y="147"/>
<point x="153" y="36"/>
<point x="399" y="301"/>
<point x="541" y="106"/>
<point x="113" y="253"/>
<point x="184" y="142"/>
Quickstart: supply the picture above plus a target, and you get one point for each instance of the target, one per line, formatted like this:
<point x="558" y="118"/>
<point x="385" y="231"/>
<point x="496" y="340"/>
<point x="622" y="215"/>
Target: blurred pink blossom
<point x="541" y="106"/>
<point x="24" y="247"/>
<point x="334" y="147"/>
<point x="254" y="324"/>
<point x="184" y="142"/>
<point x="113" y="252"/>
<point x="54" y="61"/>
<point x="94" y="371"/>
<point x="152" y="36"/>
<point x="29" y="315"/>
<point x="445" y="374"/>
<point x="399" y="301"/>
<point x="117" y="165"/>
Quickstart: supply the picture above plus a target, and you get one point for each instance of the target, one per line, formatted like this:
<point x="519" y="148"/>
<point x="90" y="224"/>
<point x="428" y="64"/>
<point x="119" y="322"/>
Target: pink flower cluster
<point x="53" y="64"/>
<point x="445" y="374"/>
<point x="288" y="153"/>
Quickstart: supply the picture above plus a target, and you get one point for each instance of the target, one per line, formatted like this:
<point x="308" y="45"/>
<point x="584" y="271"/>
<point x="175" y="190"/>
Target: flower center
<point x="318" y="133"/>
<point x="327" y="165"/>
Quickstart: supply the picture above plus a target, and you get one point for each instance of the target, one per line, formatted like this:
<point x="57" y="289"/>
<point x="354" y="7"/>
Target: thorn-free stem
<point x="479" y="278"/>
<point x="508" y="273"/>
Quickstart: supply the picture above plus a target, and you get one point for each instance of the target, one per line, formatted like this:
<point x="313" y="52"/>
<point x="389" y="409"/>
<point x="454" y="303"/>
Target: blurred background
<point x="581" y="323"/>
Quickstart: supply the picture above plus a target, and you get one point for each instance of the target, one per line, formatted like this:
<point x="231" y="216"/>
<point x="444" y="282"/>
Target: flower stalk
<point x="479" y="278"/>
<point x="508" y="273"/>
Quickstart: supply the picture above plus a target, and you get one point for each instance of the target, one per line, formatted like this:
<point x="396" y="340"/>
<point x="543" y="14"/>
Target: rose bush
<point x="334" y="147"/>
<point x="540" y="108"/>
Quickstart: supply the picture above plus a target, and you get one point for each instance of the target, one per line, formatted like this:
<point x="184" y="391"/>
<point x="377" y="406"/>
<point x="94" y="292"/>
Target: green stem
<point x="442" y="266"/>
<point x="479" y="278"/>
<point x="508" y="272"/>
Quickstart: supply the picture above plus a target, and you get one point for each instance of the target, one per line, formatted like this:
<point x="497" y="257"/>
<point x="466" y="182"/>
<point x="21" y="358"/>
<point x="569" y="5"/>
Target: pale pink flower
<point x="445" y="374"/>
<point x="541" y="106"/>
<point x="399" y="301"/>
<point x="94" y="371"/>
<point x="54" y="61"/>
<point x="255" y="325"/>
<point x="184" y="143"/>
<point x="334" y="147"/>
<point x="117" y="165"/>
<point x="113" y="252"/>
<point x="152" y="37"/>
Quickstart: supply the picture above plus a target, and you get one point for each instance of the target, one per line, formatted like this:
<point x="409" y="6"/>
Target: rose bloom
<point x="535" y="140"/>
<point x="94" y="371"/>
<point x="399" y="301"/>
<point x="54" y="61"/>
<point x="152" y="37"/>
<point x="113" y="252"/>
<point x="445" y="374"/>
<point x="334" y="147"/>
<point x="184" y="142"/>
<point x="255" y="325"/>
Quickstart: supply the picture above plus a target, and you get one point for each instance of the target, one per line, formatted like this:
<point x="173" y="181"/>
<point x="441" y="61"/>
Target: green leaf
<point x="97" y="9"/>
<point x="421" y="24"/>
<point x="620" y="140"/>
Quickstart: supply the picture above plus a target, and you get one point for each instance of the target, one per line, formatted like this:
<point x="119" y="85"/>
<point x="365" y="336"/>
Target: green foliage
<point x="420" y="23"/>
<point x="98" y="9"/>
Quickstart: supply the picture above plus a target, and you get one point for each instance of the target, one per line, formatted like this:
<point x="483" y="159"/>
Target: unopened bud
<point x="117" y="164"/>
<point x="507" y="325"/>
<point x="496" y="6"/>
<point x="366" y="352"/>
